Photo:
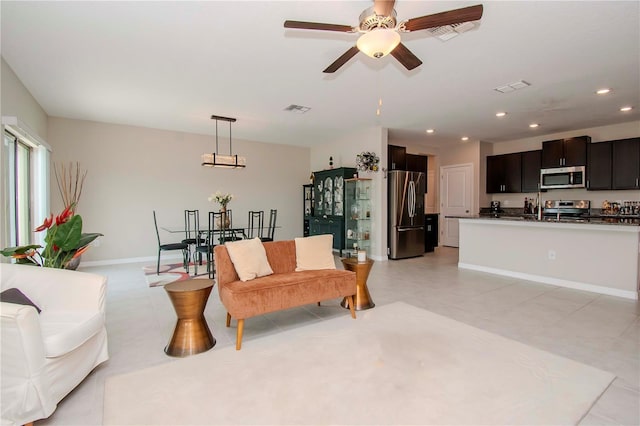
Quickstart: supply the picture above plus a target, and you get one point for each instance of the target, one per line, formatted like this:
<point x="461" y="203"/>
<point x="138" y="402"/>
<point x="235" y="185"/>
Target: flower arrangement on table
<point x="65" y="241"/>
<point x="367" y="161"/>
<point x="222" y="199"/>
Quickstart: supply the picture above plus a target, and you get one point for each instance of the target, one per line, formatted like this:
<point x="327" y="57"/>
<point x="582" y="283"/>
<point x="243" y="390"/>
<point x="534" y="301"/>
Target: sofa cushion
<point x="13" y="295"/>
<point x="64" y="331"/>
<point x="282" y="291"/>
<point x="249" y="258"/>
<point x="314" y="253"/>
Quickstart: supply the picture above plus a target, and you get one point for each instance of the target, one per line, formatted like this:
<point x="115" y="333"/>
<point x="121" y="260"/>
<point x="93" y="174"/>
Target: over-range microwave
<point x="563" y="177"/>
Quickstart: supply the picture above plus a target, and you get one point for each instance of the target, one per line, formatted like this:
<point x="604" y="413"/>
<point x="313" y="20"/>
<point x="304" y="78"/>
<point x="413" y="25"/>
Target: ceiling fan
<point x="381" y="32"/>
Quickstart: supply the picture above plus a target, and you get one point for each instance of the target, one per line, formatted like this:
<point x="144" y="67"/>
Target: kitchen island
<point x="595" y="256"/>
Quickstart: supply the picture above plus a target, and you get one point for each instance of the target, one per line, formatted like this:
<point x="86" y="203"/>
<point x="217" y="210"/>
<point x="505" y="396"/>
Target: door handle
<point x="409" y="229"/>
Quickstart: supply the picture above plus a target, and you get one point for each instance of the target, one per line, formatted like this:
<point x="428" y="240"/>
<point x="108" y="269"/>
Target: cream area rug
<point x="395" y="364"/>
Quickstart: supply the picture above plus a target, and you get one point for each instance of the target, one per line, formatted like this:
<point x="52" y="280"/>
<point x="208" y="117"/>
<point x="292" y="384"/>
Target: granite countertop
<point x="591" y="220"/>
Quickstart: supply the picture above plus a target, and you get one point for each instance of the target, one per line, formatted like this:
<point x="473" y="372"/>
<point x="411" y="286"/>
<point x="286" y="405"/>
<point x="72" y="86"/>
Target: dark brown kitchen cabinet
<point x="504" y="173"/>
<point x="417" y="163"/>
<point x="565" y="152"/>
<point x="626" y="164"/>
<point x="599" y="166"/>
<point x="531" y="163"/>
<point x="397" y="157"/>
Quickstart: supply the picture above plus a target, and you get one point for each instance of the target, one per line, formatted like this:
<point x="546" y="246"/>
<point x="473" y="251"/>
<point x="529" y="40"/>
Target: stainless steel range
<point x="567" y="209"/>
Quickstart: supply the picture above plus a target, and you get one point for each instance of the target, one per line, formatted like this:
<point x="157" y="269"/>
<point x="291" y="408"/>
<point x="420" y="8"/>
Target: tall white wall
<point x="133" y="171"/>
<point x="344" y="151"/>
<point x="17" y="101"/>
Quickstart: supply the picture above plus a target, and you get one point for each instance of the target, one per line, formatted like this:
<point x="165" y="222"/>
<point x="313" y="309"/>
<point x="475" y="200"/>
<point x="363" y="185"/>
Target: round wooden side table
<point x="191" y="334"/>
<point x="363" y="298"/>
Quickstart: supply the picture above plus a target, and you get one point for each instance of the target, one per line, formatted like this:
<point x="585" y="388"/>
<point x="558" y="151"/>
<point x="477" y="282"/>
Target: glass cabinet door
<point x="328" y="196"/>
<point x="338" y="202"/>
<point x="358" y="215"/>
<point x="319" y="196"/>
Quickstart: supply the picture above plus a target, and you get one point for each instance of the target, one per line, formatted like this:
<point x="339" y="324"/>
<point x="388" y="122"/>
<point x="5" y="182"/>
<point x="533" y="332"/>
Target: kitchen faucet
<point x="539" y="203"/>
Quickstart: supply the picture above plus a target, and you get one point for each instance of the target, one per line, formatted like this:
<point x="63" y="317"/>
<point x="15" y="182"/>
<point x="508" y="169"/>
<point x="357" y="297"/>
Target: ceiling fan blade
<point x="471" y="13"/>
<point x="318" y="26"/>
<point x="342" y="60"/>
<point x="383" y="7"/>
<point x="406" y="57"/>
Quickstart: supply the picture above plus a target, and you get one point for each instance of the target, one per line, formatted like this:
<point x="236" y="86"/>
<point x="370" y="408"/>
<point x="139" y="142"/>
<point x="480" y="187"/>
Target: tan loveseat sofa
<point x="284" y="289"/>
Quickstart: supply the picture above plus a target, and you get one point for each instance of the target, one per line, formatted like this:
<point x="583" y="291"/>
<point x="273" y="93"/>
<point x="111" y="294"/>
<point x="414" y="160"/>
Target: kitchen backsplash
<point x="516" y="201"/>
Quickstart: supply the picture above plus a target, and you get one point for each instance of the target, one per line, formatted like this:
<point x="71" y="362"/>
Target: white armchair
<point x="46" y="355"/>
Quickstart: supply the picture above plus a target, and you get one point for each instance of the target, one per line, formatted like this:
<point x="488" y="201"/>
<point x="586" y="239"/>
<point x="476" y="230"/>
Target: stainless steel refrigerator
<point x="406" y="214"/>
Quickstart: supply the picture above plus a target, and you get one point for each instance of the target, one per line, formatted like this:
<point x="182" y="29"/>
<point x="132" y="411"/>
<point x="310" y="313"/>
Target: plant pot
<point x="73" y="263"/>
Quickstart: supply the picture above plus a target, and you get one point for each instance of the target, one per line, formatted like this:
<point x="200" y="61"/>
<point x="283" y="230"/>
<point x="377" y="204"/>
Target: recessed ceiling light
<point x="430" y="130"/>
<point x="501" y="114"/>
<point x="465" y="138"/>
<point x="533" y="125"/>
<point x="603" y="91"/>
<point x="626" y="108"/>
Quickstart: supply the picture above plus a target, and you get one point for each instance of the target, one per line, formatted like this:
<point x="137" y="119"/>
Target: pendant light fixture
<point x="227" y="161"/>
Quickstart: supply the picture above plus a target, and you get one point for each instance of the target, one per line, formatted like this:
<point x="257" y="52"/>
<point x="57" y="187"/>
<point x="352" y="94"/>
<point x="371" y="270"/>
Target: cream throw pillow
<point x="314" y="253"/>
<point x="249" y="258"/>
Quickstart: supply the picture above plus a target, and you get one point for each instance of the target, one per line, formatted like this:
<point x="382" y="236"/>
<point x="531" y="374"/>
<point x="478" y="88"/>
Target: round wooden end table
<point x="191" y="334"/>
<point x="363" y="298"/>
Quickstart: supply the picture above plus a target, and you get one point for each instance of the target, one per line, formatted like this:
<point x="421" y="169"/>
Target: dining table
<point x="235" y="230"/>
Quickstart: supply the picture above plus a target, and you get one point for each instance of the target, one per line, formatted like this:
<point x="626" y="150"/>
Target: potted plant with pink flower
<point x="65" y="242"/>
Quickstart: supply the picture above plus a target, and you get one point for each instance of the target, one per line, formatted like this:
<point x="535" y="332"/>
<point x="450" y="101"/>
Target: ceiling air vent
<point x="512" y="86"/>
<point x="299" y="109"/>
<point x="447" y="32"/>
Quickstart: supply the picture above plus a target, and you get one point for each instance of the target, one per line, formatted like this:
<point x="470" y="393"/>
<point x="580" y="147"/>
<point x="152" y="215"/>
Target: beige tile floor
<point x="598" y="330"/>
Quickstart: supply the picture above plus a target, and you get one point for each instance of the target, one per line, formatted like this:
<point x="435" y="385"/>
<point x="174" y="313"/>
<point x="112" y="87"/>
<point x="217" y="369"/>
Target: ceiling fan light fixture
<point x="379" y="42"/>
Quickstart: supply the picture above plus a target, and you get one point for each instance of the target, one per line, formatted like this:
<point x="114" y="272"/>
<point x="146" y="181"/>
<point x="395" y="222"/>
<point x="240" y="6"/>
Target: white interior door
<point x="456" y="199"/>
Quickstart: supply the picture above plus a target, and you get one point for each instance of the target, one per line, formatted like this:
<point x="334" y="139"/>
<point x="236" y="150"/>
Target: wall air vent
<point x="299" y="109"/>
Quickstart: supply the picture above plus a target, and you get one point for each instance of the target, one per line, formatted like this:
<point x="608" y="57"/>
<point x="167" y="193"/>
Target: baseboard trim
<point x="129" y="260"/>
<point x="553" y="281"/>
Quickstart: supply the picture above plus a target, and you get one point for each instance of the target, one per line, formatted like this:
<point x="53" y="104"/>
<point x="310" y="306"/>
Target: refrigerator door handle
<point x="413" y="228"/>
<point x="411" y="196"/>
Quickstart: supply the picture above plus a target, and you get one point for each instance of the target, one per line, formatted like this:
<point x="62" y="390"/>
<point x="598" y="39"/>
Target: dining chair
<point x="255" y="224"/>
<point x="272" y="226"/>
<point x="216" y="234"/>
<point x="232" y="234"/>
<point x="192" y="231"/>
<point x="170" y="247"/>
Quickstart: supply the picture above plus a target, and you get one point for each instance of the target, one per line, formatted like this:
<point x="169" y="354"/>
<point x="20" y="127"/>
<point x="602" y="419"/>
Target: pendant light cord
<point x="216" y="135"/>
